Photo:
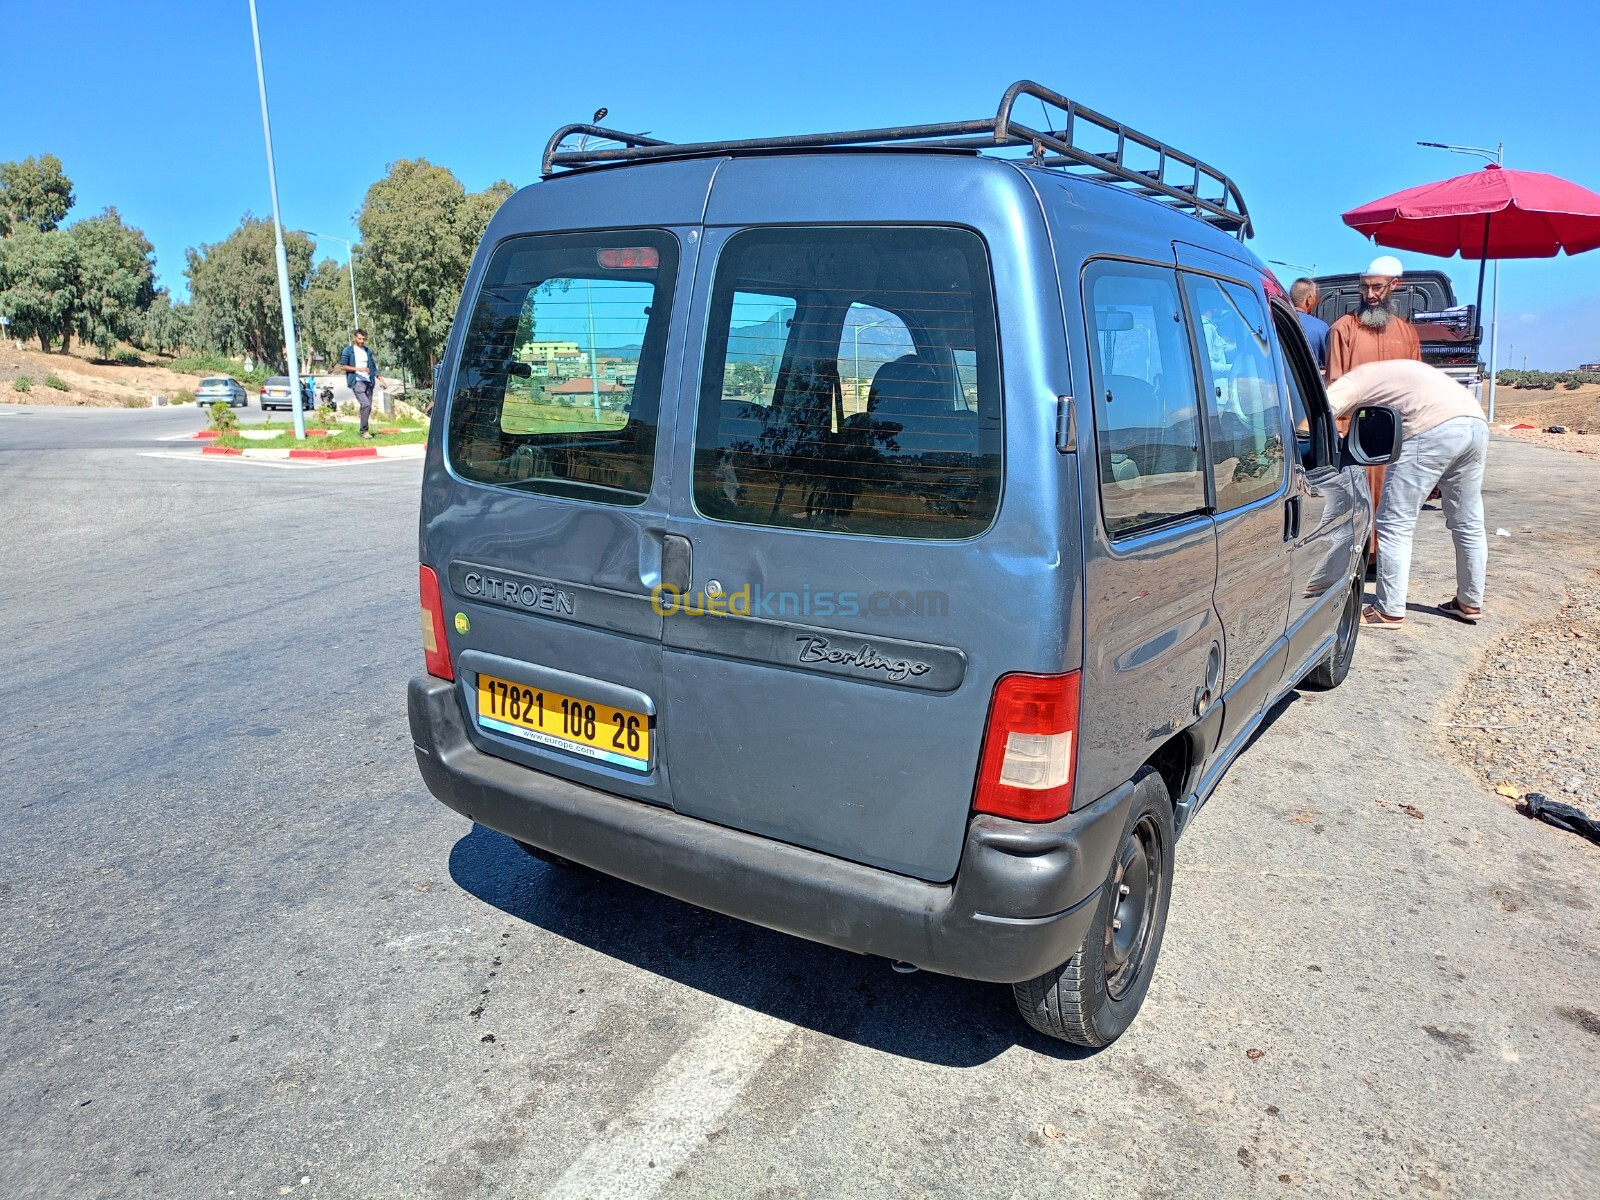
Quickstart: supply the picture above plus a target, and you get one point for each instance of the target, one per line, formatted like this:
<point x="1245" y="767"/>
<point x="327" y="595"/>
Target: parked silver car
<point x="223" y="388"/>
<point x="275" y="394"/>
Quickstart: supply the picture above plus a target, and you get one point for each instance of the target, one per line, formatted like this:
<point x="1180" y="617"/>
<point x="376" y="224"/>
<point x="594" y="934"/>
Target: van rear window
<point x="558" y="387"/>
<point x="851" y="383"/>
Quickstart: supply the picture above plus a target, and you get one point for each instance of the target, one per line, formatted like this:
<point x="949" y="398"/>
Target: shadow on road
<point x="930" y="1018"/>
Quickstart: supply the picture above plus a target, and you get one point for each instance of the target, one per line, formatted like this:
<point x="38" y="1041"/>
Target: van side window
<point x="559" y="380"/>
<point x="851" y="384"/>
<point x="1244" y="409"/>
<point x="1146" y="414"/>
<point x="1308" y="410"/>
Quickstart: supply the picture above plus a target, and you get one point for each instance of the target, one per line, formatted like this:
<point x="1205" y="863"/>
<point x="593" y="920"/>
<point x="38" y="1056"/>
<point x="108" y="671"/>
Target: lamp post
<point x="1310" y="272"/>
<point x="1498" y="157"/>
<point x="289" y="346"/>
<point x="858" y="329"/>
<point x="350" y="253"/>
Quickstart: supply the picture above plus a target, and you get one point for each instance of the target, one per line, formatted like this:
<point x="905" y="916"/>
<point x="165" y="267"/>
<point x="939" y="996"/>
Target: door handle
<point x="677" y="562"/>
<point x="1291" y="518"/>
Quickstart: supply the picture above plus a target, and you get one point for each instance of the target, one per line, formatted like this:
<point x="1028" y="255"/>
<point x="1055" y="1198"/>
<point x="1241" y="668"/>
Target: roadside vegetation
<point x="1546" y="381"/>
<point x="345" y="438"/>
<point x="93" y="279"/>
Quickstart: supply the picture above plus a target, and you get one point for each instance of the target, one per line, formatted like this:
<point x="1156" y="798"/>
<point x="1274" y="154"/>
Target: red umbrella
<point x="1492" y="213"/>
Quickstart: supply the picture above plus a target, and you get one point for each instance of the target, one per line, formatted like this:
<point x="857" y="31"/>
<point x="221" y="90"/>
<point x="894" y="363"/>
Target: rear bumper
<point x="1020" y="904"/>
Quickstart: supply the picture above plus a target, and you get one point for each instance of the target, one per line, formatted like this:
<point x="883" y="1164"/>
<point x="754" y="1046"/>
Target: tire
<point x="1092" y="998"/>
<point x="1331" y="671"/>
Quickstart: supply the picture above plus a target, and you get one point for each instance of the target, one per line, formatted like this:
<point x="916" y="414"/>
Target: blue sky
<point x="1312" y="109"/>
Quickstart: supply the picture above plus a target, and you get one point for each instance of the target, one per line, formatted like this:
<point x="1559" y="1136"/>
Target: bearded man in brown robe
<point x="1375" y="332"/>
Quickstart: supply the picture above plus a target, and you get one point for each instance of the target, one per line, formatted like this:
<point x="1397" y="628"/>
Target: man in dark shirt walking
<point x="360" y="368"/>
<point x="1303" y="295"/>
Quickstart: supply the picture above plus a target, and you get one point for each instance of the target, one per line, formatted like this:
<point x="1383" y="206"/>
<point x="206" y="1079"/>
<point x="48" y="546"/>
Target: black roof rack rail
<point x="1175" y="178"/>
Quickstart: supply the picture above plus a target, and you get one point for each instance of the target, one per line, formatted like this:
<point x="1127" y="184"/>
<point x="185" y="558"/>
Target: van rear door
<point x="547" y="531"/>
<point x="826" y="660"/>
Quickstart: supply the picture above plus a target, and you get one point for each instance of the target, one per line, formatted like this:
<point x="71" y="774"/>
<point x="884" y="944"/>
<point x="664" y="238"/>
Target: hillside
<point x="1577" y="409"/>
<point x="89" y="383"/>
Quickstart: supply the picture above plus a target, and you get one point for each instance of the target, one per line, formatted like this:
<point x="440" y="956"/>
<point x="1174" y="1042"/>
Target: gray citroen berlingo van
<point x="886" y="537"/>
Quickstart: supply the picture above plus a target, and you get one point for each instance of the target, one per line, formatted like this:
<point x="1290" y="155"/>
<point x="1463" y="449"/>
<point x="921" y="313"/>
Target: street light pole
<point x="350" y="253"/>
<point x="289" y="346"/>
<point x="861" y="406"/>
<point x="1310" y="272"/>
<point x="1498" y="157"/>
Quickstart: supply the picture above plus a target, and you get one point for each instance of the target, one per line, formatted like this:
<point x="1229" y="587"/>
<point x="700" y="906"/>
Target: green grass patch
<point x="338" y="441"/>
<point x="217" y="364"/>
<point x="537" y="416"/>
<point x="55" y="381"/>
<point x="22" y="383"/>
<point x="182" y="396"/>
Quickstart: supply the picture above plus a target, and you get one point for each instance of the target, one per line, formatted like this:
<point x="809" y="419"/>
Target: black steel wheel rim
<point x="1349" y="620"/>
<point x="1135" y="900"/>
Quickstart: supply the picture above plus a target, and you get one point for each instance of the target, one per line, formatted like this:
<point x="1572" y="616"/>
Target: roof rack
<point x="1175" y="178"/>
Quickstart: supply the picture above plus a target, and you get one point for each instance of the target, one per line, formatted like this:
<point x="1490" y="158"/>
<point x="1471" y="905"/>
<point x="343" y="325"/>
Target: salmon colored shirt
<point x="1424" y="396"/>
<point x="1351" y="344"/>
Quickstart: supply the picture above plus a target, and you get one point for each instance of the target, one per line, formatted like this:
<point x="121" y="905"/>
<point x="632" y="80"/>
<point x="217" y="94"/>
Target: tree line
<point x="95" y="278"/>
<point x="1546" y="381"/>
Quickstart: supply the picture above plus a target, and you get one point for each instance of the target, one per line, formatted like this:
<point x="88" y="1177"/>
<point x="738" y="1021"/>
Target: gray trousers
<point x="363" y="390"/>
<point x="1449" y="457"/>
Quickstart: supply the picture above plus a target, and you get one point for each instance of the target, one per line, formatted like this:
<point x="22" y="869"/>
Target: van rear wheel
<point x="1092" y="998"/>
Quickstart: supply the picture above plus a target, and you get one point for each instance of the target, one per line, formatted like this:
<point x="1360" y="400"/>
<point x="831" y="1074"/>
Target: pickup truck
<point x="1449" y="332"/>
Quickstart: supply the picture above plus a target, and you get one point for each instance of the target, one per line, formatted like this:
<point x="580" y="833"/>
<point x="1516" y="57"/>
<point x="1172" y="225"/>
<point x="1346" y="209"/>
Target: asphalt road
<point x="248" y="955"/>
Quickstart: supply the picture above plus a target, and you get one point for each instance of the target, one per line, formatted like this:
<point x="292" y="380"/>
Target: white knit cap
<point x="1386" y="264"/>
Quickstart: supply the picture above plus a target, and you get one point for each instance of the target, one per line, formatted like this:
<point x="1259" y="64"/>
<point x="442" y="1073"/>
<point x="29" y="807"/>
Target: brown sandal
<point x="1373" y="619"/>
<point x="1453" y="608"/>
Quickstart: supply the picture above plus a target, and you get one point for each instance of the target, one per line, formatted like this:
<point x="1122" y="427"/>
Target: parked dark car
<point x="838" y="619"/>
<point x="1448" y="331"/>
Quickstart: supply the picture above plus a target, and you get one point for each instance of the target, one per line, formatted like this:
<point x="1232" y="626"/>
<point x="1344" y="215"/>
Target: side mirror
<point x="1374" y="436"/>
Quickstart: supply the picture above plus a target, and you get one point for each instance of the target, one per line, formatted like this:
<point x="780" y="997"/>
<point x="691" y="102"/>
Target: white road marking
<point x="689" y="1096"/>
<point x="192" y="456"/>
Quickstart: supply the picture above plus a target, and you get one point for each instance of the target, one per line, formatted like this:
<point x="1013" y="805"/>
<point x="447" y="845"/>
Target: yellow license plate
<point x="613" y="735"/>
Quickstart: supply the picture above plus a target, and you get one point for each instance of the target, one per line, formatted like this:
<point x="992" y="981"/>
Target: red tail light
<point x="435" y="649"/>
<point x="630" y="257"/>
<point x="1030" y="749"/>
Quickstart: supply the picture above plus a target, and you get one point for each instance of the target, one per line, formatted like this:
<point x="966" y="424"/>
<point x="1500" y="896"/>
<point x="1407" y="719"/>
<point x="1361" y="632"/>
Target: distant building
<point x="584" y="387"/>
<point x="1589" y="366"/>
<point x="546" y="352"/>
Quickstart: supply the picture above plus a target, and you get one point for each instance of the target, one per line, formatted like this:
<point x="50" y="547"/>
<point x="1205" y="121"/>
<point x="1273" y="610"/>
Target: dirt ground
<point x="1578" y="410"/>
<point x="89" y="383"/>
<point x="1530" y="719"/>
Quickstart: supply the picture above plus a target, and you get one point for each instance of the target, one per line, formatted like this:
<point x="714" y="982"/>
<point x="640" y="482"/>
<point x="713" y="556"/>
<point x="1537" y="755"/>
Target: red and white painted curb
<point x="414" y="450"/>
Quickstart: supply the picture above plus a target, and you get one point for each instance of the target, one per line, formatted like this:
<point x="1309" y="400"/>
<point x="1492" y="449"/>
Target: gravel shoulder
<point x="1530" y="715"/>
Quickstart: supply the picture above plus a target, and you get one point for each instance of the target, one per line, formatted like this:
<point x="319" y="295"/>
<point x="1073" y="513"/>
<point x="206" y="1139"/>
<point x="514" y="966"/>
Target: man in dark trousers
<point x="360" y="368"/>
